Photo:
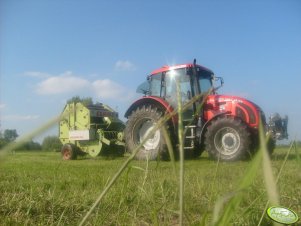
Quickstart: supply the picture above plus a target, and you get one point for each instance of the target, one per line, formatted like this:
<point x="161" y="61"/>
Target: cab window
<point x="155" y="85"/>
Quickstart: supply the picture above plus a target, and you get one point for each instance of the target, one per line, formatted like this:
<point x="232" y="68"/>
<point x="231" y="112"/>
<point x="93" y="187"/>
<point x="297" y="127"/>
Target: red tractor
<point x="226" y="126"/>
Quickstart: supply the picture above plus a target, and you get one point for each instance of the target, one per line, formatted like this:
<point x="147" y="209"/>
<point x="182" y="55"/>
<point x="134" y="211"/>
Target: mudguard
<point x="155" y="101"/>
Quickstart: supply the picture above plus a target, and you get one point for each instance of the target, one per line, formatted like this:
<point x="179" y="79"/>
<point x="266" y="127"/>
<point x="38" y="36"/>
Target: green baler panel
<point x="91" y="128"/>
<point x="82" y="117"/>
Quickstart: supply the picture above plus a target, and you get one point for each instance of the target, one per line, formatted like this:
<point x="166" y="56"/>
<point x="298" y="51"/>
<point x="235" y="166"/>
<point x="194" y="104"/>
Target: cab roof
<point x="178" y="66"/>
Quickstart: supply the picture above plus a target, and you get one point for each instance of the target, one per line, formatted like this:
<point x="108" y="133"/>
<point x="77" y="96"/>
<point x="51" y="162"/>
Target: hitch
<point x="277" y="126"/>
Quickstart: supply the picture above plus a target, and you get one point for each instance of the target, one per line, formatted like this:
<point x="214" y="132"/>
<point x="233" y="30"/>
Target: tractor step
<point x="189" y="137"/>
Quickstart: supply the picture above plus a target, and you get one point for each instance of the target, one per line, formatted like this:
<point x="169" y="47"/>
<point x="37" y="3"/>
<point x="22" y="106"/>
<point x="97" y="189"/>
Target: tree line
<point x="49" y="143"/>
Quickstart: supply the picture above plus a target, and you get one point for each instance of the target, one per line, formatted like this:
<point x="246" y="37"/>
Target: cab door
<point x="180" y="76"/>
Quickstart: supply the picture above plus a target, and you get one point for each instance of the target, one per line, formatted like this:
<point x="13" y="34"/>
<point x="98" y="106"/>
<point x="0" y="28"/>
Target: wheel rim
<point x="66" y="153"/>
<point x="227" y="141"/>
<point x="144" y="130"/>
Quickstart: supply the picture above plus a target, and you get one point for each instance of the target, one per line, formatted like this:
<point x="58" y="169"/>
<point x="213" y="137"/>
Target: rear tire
<point x="69" y="152"/>
<point x="228" y="139"/>
<point x="140" y="123"/>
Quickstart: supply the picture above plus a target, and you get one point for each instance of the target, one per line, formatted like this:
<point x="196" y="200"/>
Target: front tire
<point x="138" y="127"/>
<point x="228" y="139"/>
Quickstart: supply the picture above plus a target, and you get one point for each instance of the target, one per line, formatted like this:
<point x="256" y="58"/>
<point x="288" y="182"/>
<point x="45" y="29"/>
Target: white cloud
<point x="63" y="83"/>
<point x="124" y="65"/>
<point x="2" y="106"/>
<point x="107" y="89"/>
<point x="37" y="74"/>
<point x="104" y="89"/>
<point x="20" y="117"/>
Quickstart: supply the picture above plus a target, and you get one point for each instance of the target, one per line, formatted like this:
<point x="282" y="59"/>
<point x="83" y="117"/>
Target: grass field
<point x="38" y="188"/>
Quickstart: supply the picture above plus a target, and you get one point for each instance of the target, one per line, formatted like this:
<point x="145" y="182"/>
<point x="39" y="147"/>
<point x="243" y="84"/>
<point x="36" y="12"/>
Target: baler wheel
<point x="68" y="152"/>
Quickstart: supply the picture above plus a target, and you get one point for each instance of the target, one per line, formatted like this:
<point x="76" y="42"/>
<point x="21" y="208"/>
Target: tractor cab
<point x="193" y="80"/>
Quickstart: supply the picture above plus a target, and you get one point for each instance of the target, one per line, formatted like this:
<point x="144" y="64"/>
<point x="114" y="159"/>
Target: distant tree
<point x="30" y="146"/>
<point x="10" y="135"/>
<point x="84" y="100"/>
<point x="3" y="142"/>
<point x="51" y="143"/>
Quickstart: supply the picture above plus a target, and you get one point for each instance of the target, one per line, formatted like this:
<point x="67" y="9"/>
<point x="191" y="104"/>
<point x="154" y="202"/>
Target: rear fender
<point x="154" y="101"/>
<point x="204" y="127"/>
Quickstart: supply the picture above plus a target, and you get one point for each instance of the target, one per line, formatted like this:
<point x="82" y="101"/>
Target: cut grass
<point x="39" y="188"/>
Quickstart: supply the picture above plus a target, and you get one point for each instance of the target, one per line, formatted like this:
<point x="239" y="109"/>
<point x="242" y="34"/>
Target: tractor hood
<point x="236" y="106"/>
<point x="221" y="99"/>
<point x="248" y="111"/>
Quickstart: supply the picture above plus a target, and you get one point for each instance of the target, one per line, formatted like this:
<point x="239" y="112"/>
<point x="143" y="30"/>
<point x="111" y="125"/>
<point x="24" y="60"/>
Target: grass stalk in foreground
<point x="277" y="180"/>
<point x="116" y="176"/>
<point x="181" y="150"/>
<point x="234" y="198"/>
<point x="122" y="168"/>
<point x="170" y="149"/>
<point x="13" y="145"/>
<point x="261" y="157"/>
<point x="269" y="180"/>
<point x="270" y="183"/>
<point x="160" y="123"/>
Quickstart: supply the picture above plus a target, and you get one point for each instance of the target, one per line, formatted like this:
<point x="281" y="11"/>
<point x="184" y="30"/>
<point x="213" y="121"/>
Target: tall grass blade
<point x="297" y="153"/>
<point x="123" y="167"/>
<point x="236" y="196"/>
<point x="170" y="149"/>
<point x="270" y="183"/>
<point x="116" y="176"/>
<point x="262" y="157"/>
<point x="160" y="123"/>
<point x="181" y="150"/>
<point x="27" y="137"/>
<point x="277" y="180"/>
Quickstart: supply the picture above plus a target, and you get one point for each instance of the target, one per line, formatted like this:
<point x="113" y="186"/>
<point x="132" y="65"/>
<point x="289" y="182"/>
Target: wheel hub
<point x="227" y="141"/>
<point x="66" y="153"/>
<point x="153" y="141"/>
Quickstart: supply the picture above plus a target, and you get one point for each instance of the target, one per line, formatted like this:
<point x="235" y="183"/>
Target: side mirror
<point x="143" y="88"/>
<point x="218" y="79"/>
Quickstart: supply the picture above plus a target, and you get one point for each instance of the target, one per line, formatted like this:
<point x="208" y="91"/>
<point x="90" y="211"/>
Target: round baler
<point x="94" y="129"/>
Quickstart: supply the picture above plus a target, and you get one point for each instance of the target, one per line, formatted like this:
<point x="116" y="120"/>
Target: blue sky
<point x="53" y="50"/>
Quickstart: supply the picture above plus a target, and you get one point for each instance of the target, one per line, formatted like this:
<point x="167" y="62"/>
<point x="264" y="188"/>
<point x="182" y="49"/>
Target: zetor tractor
<point x="226" y="126"/>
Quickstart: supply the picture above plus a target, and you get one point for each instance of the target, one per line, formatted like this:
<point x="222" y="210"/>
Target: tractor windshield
<point x="171" y="92"/>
